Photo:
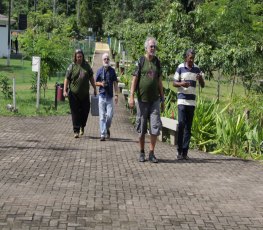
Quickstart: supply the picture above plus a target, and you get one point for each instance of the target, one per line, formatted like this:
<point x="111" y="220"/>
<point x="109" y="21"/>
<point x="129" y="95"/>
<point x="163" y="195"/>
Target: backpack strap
<point x="70" y="72"/>
<point x="71" y="69"/>
<point x="140" y="65"/>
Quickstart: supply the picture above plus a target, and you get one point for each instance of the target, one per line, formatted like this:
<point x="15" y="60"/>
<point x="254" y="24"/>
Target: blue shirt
<point x="109" y="76"/>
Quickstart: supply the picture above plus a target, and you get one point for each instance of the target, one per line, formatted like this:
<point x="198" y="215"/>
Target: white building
<point x="4" y="35"/>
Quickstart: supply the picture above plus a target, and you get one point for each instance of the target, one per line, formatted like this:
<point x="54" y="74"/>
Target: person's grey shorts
<point x="148" y="112"/>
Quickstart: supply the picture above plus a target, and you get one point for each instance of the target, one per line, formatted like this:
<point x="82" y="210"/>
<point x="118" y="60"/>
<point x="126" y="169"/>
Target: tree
<point x="46" y="40"/>
<point x="3" y="7"/>
<point x="90" y="17"/>
<point x="238" y="39"/>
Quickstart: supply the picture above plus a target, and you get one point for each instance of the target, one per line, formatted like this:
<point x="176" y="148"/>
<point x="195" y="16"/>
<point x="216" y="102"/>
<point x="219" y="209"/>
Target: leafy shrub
<point x="5" y="87"/>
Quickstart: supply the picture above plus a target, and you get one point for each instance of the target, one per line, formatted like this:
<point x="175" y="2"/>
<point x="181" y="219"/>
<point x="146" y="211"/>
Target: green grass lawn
<point x="209" y="92"/>
<point x="21" y="71"/>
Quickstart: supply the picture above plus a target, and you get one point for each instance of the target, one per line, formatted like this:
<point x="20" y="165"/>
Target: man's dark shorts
<point x="148" y="112"/>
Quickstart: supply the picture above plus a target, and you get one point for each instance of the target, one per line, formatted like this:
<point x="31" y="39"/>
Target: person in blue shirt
<point x="106" y="79"/>
<point x="185" y="78"/>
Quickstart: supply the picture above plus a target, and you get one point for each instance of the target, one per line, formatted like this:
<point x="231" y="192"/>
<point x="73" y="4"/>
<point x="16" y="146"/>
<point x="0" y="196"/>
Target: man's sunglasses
<point x="78" y="51"/>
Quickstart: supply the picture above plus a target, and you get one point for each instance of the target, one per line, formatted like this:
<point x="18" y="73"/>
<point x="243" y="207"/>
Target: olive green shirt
<point x="148" y="90"/>
<point x="79" y="77"/>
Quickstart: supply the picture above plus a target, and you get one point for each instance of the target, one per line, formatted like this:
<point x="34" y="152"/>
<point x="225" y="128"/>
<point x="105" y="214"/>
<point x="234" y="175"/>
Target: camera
<point x="105" y="83"/>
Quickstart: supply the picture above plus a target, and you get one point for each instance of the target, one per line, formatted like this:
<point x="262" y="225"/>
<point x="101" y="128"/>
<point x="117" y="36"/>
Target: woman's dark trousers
<point x="185" y="120"/>
<point x="79" y="111"/>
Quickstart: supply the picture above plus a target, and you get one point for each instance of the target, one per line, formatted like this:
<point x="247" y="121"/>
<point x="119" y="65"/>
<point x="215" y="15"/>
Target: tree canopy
<point x="227" y="34"/>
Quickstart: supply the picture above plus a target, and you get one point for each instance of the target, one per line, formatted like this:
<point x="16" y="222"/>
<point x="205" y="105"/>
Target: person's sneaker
<point x="142" y="157"/>
<point x="76" y="135"/>
<point x="108" y="133"/>
<point x="102" y="139"/>
<point x="81" y="131"/>
<point x="185" y="157"/>
<point x="180" y="157"/>
<point x="152" y="158"/>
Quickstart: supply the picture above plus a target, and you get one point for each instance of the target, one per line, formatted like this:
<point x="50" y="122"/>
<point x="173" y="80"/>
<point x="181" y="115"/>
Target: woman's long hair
<point x="79" y="51"/>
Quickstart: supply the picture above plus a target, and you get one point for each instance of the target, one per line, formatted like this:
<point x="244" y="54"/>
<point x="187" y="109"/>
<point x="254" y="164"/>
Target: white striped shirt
<point x="186" y="96"/>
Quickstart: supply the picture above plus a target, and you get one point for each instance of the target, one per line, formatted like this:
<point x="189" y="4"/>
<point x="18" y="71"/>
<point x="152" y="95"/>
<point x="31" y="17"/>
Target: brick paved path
<point x="49" y="180"/>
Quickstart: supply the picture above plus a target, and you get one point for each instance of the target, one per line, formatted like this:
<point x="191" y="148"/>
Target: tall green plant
<point x="204" y="126"/>
<point x="231" y="134"/>
<point x="255" y="142"/>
